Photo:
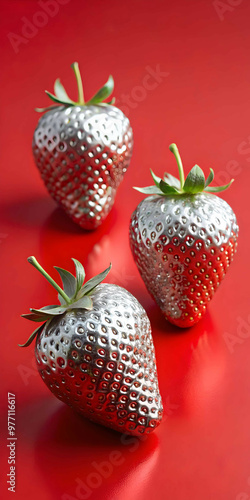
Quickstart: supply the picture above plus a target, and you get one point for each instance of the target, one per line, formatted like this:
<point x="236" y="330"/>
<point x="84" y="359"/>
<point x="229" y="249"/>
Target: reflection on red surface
<point x="93" y="462"/>
<point x="206" y="373"/>
<point x="191" y="362"/>
<point x="96" y="249"/>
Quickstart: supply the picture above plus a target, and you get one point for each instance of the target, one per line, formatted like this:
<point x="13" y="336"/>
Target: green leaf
<point x="112" y="101"/>
<point x="210" y="178"/>
<point x="32" y="260"/>
<point x="148" y="190"/>
<point x="49" y="311"/>
<point x="78" y="295"/>
<point x="61" y="93"/>
<point x="172" y="181"/>
<point x="156" y="179"/>
<point x="84" y="303"/>
<point x="60" y="101"/>
<point x="80" y="275"/>
<point x="93" y="282"/>
<point x="35" y="317"/>
<point x="103" y="93"/>
<point x="33" y="336"/>
<point x="68" y="281"/>
<point x="217" y="189"/>
<point x="48" y="308"/>
<point x="167" y="189"/>
<point x="48" y="108"/>
<point x="195" y="181"/>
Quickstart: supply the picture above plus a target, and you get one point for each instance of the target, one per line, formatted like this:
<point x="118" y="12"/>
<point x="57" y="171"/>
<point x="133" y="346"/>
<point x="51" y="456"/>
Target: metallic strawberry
<point x="95" y="352"/>
<point x="82" y="151"/>
<point x="183" y="239"/>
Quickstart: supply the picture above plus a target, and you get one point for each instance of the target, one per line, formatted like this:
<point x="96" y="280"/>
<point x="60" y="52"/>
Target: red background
<point x="201" y="450"/>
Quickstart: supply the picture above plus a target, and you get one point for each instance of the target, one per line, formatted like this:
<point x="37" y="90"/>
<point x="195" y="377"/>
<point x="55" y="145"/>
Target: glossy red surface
<point x="200" y="100"/>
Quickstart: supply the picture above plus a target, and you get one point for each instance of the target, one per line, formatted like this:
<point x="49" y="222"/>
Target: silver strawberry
<point x="95" y="352"/>
<point x="82" y="150"/>
<point x="183" y="239"/>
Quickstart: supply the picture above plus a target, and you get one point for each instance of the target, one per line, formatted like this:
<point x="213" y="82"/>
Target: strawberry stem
<point x="76" y="70"/>
<point x="173" y="148"/>
<point x="32" y="260"/>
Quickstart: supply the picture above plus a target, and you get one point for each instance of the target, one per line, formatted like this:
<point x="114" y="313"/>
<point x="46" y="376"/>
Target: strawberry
<point x="95" y="352"/>
<point x="183" y="239"/>
<point x="82" y="150"/>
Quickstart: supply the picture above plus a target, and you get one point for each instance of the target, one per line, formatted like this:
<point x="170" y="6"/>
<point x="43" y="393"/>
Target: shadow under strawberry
<point x="157" y="319"/>
<point x="109" y="242"/>
<point x="72" y="452"/>
<point x="190" y="363"/>
<point x="27" y="212"/>
<point x="59" y="221"/>
<point x="60" y="236"/>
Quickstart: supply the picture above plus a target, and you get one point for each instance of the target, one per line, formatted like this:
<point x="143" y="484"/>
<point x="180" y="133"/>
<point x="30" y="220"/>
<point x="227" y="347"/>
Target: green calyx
<point x="194" y="183"/>
<point x="60" y="96"/>
<point x="75" y="294"/>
